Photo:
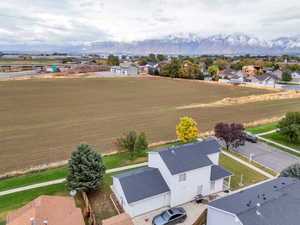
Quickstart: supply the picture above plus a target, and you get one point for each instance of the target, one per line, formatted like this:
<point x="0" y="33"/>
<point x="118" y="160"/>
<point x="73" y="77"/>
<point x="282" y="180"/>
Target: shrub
<point x="291" y="171"/>
<point x="290" y="126"/>
<point x="133" y="143"/>
<point x="141" y="143"/>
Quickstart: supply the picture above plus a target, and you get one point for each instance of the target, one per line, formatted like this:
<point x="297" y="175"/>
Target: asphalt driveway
<point x="267" y="155"/>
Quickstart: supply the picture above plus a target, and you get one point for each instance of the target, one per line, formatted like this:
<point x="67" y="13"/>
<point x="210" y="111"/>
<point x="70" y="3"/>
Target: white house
<point x="124" y="70"/>
<point x="275" y="202"/>
<point x="174" y="176"/>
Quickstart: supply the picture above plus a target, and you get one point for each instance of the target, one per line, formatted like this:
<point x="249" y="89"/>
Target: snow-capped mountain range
<point x="185" y="44"/>
<point x="193" y="44"/>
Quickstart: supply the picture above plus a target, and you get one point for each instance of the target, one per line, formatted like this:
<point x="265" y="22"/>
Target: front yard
<point x="249" y="176"/>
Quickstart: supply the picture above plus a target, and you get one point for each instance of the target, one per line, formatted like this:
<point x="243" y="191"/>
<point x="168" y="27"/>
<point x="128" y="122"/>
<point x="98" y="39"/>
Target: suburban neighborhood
<point x="158" y="112"/>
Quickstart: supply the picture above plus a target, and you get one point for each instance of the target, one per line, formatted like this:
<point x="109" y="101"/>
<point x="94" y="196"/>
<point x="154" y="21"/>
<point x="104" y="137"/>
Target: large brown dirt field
<point x="43" y="120"/>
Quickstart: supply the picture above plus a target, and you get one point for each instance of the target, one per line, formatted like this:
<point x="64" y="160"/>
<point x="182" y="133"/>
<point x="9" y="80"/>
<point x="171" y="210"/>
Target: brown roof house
<point x="47" y="210"/>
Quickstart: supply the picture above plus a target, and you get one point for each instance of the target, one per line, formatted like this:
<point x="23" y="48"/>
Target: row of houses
<point x="269" y="78"/>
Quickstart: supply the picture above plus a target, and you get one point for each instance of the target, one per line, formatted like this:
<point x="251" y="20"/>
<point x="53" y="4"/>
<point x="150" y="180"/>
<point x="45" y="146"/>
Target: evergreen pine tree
<point x="86" y="169"/>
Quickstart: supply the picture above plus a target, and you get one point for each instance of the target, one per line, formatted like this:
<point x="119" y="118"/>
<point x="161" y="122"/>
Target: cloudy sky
<point x="77" y="21"/>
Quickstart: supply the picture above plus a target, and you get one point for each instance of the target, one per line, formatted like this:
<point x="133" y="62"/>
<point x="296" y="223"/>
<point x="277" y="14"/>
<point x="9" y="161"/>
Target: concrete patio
<point x="193" y="210"/>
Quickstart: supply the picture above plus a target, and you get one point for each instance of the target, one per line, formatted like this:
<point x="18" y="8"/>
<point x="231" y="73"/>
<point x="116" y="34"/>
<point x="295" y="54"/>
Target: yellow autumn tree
<point x="187" y="129"/>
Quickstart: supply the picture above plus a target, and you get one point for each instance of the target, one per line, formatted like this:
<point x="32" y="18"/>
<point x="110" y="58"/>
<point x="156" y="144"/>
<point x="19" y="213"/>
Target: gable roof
<point x="217" y="172"/>
<point x="266" y="76"/>
<point x="180" y="159"/>
<point x="278" y="203"/>
<point x="57" y="210"/>
<point x="142" y="183"/>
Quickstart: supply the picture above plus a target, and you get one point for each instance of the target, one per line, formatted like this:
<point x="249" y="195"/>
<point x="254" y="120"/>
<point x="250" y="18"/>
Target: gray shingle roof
<point x="180" y="159"/>
<point x="142" y="183"/>
<point x="279" y="201"/>
<point x="218" y="172"/>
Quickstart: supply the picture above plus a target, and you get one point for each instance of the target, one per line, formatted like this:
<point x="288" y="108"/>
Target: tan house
<point x="47" y="210"/>
<point x="252" y="70"/>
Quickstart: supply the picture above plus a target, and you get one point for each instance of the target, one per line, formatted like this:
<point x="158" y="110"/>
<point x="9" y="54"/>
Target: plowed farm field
<point x="43" y="120"/>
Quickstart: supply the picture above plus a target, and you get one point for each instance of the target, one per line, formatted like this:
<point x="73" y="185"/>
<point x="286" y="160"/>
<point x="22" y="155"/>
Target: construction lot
<point x="43" y="120"/>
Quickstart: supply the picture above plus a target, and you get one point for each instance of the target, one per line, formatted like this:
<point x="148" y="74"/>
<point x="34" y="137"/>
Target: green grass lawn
<point x="17" y="200"/>
<point x="33" y="178"/>
<point x="277" y="137"/>
<point x="249" y="176"/>
<point x="111" y="161"/>
<point x="100" y="199"/>
<point x="262" y="128"/>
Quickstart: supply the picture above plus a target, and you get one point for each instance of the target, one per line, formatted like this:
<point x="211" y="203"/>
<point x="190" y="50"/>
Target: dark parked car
<point x="251" y="137"/>
<point x="170" y="216"/>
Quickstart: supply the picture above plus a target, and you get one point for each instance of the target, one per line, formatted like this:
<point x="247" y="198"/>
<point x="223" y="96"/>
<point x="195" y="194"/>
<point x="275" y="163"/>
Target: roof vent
<point x="249" y="203"/>
<point x="45" y="222"/>
<point x="32" y="221"/>
<point x="258" y="204"/>
<point x="172" y="148"/>
<point x="258" y="213"/>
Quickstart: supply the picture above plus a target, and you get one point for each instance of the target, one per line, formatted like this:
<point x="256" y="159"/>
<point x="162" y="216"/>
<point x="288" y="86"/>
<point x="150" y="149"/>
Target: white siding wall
<point x="140" y="207"/>
<point x="149" y="204"/>
<point x="219" y="185"/>
<point x="218" y="217"/>
<point x="214" y="158"/>
<point x="185" y="191"/>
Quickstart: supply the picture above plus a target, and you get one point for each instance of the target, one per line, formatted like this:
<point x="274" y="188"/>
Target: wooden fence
<point x="202" y="218"/>
<point x="88" y="211"/>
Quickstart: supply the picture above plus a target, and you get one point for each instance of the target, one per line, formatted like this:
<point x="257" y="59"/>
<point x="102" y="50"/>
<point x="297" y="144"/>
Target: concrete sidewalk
<point x="268" y="132"/>
<point x="58" y="181"/>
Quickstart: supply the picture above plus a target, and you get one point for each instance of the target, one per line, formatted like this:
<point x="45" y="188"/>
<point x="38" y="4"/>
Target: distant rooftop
<point x="275" y="202"/>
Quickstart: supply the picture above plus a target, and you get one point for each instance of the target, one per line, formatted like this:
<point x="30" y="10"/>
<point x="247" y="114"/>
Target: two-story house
<point x="174" y="176"/>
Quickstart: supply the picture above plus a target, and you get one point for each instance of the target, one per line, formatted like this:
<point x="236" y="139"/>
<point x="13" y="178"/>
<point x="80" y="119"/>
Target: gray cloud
<point x="70" y="21"/>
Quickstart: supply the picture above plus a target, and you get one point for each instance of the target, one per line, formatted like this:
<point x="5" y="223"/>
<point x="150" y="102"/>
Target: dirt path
<point x="246" y="99"/>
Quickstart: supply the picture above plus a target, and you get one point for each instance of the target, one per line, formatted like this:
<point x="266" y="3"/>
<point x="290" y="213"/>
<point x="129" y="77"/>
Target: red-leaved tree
<point x="232" y="135"/>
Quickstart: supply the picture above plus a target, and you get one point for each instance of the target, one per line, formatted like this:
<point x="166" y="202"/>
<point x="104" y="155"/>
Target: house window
<point x="212" y="185"/>
<point x="182" y="177"/>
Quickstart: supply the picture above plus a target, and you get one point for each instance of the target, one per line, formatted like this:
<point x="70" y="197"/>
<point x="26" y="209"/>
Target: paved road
<point x="63" y="180"/>
<point x="267" y="155"/>
<point x="18" y="74"/>
<point x="248" y="164"/>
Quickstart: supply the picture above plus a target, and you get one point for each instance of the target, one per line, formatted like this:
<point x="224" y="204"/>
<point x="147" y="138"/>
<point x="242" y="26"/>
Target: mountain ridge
<point x="182" y="43"/>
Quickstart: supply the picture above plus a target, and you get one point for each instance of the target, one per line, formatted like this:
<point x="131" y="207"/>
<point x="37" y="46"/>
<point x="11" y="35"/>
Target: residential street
<point x="267" y="155"/>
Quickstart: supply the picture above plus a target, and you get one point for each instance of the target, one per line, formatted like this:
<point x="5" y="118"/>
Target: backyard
<point x="50" y="117"/>
<point x="100" y="199"/>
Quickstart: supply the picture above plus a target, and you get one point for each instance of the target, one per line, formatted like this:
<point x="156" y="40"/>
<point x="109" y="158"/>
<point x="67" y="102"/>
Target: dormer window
<point x="182" y="177"/>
